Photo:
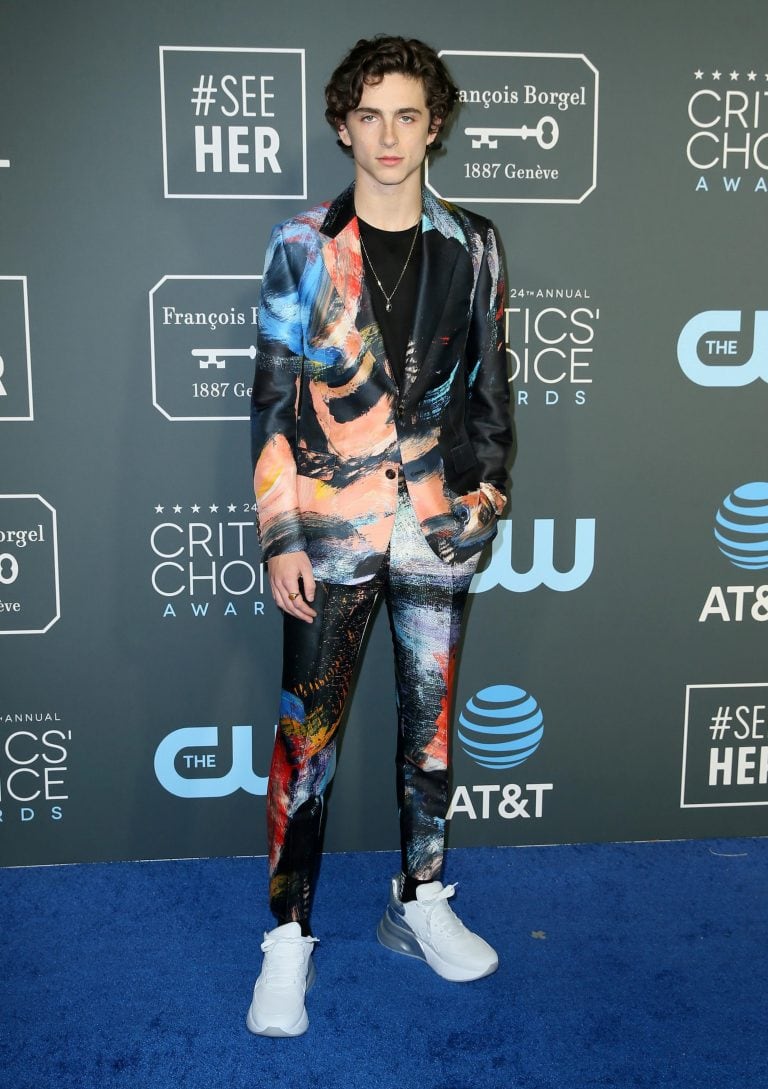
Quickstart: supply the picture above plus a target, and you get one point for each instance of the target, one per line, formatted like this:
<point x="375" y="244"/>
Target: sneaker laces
<point x="284" y="965"/>
<point x="440" y="915"/>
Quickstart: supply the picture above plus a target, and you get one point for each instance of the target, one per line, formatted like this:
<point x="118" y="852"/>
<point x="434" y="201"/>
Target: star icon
<point x="195" y="508"/>
<point x="734" y="75"/>
<point x="698" y="74"/>
<point x="715" y="75"/>
<point x="177" y="509"/>
<point x="159" y="509"/>
<point x="231" y="508"/>
<point x="751" y="76"/>
<point x="214" y="509"/>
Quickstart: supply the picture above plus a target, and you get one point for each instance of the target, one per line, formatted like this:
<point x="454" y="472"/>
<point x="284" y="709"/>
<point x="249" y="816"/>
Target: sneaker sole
<point x="399" y="937"/>
<point x="298" y="1029"/>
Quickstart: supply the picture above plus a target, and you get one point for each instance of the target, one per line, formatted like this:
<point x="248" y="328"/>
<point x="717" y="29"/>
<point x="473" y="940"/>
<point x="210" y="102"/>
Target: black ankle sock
<point x="306" y="929"/>
<point x="408" y="886"/>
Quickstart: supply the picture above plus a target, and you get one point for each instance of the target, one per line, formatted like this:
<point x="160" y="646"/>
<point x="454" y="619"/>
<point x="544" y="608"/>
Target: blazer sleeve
<point x="489" y="421"/>
<point x="279" y="362"/>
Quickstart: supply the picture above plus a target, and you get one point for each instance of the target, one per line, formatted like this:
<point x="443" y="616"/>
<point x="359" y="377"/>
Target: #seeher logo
<point x="500" y="726"/>
<point x="741" y="526"/>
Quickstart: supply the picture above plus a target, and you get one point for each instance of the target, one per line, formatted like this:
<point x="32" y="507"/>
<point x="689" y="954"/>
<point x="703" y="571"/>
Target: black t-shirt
<point x="387" y="252"/>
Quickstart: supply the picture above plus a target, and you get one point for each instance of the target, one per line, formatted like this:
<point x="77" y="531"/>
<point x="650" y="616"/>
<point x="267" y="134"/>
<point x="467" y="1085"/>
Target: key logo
<point x="526" y="130"/>
<point x="202" y="333"/>
<point x="29" y="565"/>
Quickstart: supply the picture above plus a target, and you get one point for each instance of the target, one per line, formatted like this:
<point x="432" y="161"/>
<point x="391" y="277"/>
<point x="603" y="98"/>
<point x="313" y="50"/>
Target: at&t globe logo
<point x="501" y="726"/>
<point x="741" y="526"/>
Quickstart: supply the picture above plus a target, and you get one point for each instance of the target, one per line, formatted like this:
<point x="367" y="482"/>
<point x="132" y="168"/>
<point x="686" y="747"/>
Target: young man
<point x="381" y="435"/>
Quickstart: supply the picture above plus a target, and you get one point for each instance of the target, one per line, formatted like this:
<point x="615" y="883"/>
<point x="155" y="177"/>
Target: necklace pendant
<point x="389" y="306"/>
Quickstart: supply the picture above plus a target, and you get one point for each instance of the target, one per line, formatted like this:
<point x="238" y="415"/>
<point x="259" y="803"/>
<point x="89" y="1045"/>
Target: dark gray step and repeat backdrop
<point x="613" y="680"/>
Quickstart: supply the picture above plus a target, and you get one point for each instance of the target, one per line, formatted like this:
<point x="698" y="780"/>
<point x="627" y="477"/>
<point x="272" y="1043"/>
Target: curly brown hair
<point x="373" y="58"/>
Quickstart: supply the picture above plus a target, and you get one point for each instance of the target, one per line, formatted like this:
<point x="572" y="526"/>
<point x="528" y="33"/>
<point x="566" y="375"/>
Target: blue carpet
<point x="622" y="965"/>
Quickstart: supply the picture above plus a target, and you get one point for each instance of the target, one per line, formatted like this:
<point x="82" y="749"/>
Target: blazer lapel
<point x="442" y="244"/>
<point x="343" y="260"/>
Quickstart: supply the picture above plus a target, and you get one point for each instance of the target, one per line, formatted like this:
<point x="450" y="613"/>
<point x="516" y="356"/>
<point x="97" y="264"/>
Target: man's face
<point x="389" y="130"/>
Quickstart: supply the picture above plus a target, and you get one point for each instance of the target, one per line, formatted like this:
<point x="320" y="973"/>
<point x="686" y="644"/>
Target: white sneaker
<point x="428" y="929"/>
<point x="287" y="974"/>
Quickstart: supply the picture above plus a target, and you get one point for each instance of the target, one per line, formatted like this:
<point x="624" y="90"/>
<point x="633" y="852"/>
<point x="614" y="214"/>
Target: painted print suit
<point x="331" y="429"/>
<point x="379" y="485"/>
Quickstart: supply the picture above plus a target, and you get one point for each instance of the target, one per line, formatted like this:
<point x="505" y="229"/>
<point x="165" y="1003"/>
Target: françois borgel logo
<point x="741" y="534"/>
<point x="526" y="130"/>
<point x="725" y="745"/>
<point x="727" y="134"/>
<point x="202" y="334"/>
<point x="233" y="123"/>
<point x="34" y="764"/>
<point x="724" y="347"/>
<point x="29" y="565"/>
<point x="499" y="728"/>
<point x="15" y="363"/>
<point x="204" y="561"/>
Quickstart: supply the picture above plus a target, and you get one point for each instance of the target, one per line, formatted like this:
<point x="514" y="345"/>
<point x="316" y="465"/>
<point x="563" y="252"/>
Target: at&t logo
<point x="542" y="571"/>
<point x="499" y="728"/>
<point x="709" y="356"/>
<point x="741" y="532"/>
<point x="179" y="753"/>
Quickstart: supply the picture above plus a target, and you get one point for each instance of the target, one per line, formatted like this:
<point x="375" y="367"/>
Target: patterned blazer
<point x="331" y="430"/>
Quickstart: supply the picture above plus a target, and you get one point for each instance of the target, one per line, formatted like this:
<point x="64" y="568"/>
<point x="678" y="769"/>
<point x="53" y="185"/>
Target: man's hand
<point x="285" y="573"/>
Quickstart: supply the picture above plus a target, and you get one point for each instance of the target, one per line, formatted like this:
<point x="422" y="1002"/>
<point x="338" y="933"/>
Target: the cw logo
<point x="240" y="776"/>
<point x="712" y="324"/>
<point x="542" y="571"/>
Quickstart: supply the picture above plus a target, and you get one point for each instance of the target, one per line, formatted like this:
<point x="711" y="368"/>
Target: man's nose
<point x="388" y="133"/>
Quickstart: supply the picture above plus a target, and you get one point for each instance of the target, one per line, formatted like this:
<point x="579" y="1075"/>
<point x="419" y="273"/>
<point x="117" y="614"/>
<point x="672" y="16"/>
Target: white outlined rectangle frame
<point x="56" y="583"/>
<point x="710" y="805"/>
<point x="25" y="295"/>
<point x="234" y="196"/>
<point x="527" y="200"/>
<point x="155" y="403"/>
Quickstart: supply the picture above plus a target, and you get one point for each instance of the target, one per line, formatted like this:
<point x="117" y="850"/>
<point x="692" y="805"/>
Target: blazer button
<point x="390" y="474"/>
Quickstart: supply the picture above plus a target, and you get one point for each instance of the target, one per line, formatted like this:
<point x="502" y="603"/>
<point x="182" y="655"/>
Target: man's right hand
<point x="293" y="584"/>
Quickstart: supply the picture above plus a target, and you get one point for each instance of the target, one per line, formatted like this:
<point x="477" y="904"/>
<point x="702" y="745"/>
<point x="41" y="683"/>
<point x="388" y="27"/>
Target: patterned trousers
<point x="425" y="600"/>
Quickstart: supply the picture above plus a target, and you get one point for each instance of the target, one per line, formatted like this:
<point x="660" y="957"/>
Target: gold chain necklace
<point x="391" y="296"/>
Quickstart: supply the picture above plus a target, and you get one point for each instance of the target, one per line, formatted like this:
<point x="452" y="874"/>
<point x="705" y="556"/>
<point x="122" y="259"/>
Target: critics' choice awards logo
<point x="15" y="360"/>
<point x="540" y="547"/>
<point x="499" y="728"/>
<point x="727" y="138"/>
<point x="725" y="745"/>
<point x="741" y="534"/>
<point x="724" y="348"/>
<point x="29" y="565"/>
<point x="204" y="560"/>
<point x="202" y="333"/>
<point x="33" y="767"/>
<point x="550" y="334"/>
<point x="233" y="123"/>
<point x="203" y="762"/>
<point x="526" y="130"/>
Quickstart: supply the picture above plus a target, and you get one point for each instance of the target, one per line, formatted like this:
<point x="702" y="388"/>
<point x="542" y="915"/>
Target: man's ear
<point x="344" y="135"/>
<point x="434" y="130"/>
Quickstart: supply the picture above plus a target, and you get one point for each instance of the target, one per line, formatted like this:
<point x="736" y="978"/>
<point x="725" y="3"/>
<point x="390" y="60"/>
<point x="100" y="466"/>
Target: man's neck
<point x="388" y="207"/>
